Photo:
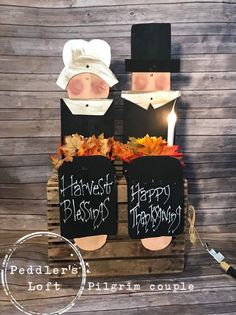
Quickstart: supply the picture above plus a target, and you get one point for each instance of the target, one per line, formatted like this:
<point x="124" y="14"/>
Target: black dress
<point x="86" y="125"/>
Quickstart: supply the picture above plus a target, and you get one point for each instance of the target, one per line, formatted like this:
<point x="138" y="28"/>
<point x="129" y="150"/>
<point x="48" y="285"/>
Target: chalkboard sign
<point x="88" y="197"/>
<point x="155" y="197"/>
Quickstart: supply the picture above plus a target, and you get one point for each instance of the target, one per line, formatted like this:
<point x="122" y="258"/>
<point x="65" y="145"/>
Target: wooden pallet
<point x="121" y="256"/>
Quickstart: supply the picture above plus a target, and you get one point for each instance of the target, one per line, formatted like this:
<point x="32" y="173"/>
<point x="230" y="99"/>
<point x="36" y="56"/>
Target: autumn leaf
<point x="123" y="151"/>
<point x="104" y="145"/>
<point x="73" y="142"/>
<point x="77" y="145"/>
<point x="147" y="145"/>
<point x="171" y="150"/>
<point x="56" y="161"/>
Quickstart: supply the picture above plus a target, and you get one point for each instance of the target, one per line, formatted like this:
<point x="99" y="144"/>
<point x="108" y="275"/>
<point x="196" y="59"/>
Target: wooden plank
<point x="53" y="65"/>
<point x="45" y="99"/>
<point x="27" y="191"/>
<point x="31" y="99"/>
<point x="209" y="232"/>
<point x="189" y="112"/>
<point x="182" y="81"/>
<point x="15" y="146"/>
<point x="177" y="12"/>
<point x="209" y="157"/>
<point x="211" y="80"/>
<point x="227" y="216"/>
<point x="25" y="160"/>
<point x="134" y="267"/>
<point x="25" y="174"/>
<point x="113" y="30"/>
<point x="184" y="45"/>
<point x="44" y="114"/>
<point x="211" y="170"/>
<point x="116" y="249"/>
<point x="220" y="278"/>
<point x="49" y="145"/>
<point x="183" y="112"/>
<point x="30" y="114"/>
<point x="194" y="171"/>
<point x="212" y="185"/>
<point x="217" y="308"/>
<point x="219" y="233"/>
<point x="38" y="207"/>
<point x="208" y="99"/>
<point x="213" y="200"/>
<point x="86" y="3"/>
<point x="205" y="217"/>
<point x="22" y="207"/>
<point x="36" y="222"/>
<point x="44" y="159"/>
<point x="36" y="128"/>
<point x="144" y="285"/>
<point x="221" y="127"/>
<point x="45" y="128"/>
<point x="207" y="144"/>
<point x="23" y="191"/>
<point x="124" y="302"/>
<point x="216" y="216"/>
<point x="131" y="301"/>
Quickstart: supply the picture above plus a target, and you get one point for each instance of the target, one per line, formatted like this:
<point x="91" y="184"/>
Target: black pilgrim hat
<point x="151" y="49"/>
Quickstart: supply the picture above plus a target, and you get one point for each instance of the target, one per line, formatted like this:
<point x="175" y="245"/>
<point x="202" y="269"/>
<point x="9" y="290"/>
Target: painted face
<point x="87" y="86"/>
<point x="150" y="81"/>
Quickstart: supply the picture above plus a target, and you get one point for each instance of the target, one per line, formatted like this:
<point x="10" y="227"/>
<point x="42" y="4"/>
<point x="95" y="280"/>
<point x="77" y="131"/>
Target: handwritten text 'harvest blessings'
<point x="80" y="209"/>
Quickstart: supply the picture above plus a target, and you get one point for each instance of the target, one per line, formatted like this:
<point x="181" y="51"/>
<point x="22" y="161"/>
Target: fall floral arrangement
<point x="77" y="145"/>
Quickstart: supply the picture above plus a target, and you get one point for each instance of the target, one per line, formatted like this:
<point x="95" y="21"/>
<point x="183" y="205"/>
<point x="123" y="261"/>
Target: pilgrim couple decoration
<point x="88" y="193"/>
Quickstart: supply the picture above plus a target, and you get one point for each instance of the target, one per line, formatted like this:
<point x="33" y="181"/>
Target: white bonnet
<point x="82" y="56"/>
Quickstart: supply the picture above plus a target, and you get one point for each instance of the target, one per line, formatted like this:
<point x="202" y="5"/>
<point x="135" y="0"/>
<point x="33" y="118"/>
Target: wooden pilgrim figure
<point x="87" y="111"/>
<point x="146" y="108"/>
<point x="151" y="98"/>
<point x="87" y="79"/>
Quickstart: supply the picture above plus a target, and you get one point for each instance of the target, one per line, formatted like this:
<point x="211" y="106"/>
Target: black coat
<point x="138" y="121"/>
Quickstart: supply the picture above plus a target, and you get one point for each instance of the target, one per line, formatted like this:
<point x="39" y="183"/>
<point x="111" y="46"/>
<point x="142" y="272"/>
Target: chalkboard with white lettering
<point x="88" y="197"/>
<point x="155" y="197"/>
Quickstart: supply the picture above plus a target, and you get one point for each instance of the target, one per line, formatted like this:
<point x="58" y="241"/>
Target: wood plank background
<point x="32" y="34"/>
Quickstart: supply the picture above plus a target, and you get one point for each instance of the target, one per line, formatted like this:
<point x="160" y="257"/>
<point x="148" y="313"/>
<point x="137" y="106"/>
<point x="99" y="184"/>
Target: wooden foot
<point x="90" y="243"/>
<point x="156" y="243"/>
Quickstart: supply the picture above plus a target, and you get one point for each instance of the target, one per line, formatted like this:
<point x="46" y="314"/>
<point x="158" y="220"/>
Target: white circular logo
<point x="7" y="269"/>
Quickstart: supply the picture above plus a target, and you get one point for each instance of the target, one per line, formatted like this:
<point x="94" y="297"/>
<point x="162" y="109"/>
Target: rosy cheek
<point x="162" y="82"/>
<point x="75" y="87"/>
<point x="100" y="89"/>
<point x="140" y="82"/>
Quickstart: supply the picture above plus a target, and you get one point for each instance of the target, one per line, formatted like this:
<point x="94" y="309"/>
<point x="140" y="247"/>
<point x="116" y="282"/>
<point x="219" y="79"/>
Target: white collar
<point x="154" y="98"/>
<point x="94" y="107"/>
